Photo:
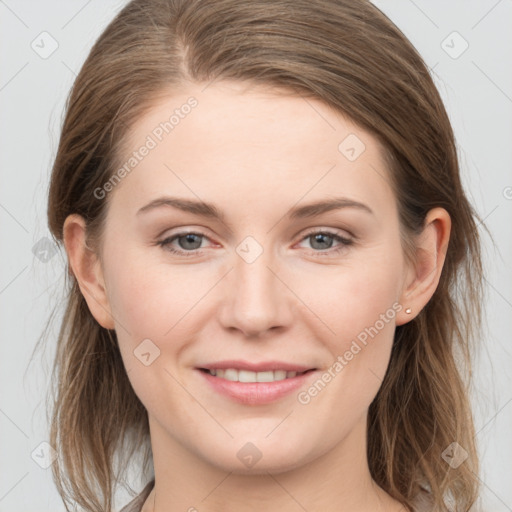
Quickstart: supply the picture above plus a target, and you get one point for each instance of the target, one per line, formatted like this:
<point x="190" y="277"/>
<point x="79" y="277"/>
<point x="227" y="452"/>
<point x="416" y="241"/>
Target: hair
<point x="349" y="55"/>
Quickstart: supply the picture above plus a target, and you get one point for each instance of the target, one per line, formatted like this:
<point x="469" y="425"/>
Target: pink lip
<point x="256" y="367"/>
<point x="255" y="393"/>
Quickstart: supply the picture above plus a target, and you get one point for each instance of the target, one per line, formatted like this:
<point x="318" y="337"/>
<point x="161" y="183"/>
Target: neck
<point x="339" y="480"/>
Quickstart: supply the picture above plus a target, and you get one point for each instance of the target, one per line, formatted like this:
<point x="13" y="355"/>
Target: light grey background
<point x="476" y="87"/>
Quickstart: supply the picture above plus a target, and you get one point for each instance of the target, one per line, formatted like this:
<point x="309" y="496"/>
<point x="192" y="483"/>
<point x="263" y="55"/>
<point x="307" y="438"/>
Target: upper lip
<point x="256" y="367"/>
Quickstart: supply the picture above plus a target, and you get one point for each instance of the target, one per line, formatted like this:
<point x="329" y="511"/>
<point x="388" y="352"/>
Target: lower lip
<point x="256" y="393"/>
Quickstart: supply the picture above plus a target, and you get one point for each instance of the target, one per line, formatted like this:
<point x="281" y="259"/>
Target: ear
<point x="422" y="277"/>
<point x="86" y="268"/>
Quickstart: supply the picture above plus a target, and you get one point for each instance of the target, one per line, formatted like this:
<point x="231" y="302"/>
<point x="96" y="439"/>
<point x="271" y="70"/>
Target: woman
<point x="274" y="267"/>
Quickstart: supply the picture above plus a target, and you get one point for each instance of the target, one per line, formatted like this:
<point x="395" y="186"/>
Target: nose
<point x="257" y="298"/>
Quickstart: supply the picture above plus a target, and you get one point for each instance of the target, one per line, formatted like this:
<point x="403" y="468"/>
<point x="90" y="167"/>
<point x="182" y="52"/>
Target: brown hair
<point x="349" y="55"/>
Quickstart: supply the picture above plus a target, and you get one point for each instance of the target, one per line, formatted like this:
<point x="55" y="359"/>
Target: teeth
<point x="235" y="375"/>
<point x="244" y="376"/>
<point x="230" y="374"/>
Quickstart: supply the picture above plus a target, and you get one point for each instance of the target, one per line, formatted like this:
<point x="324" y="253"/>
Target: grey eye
<point x="321" y="241"/>
<point x="191" y="241"/>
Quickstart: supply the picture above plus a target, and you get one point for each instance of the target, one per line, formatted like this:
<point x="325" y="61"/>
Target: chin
<point x="261" y="456"/>
<point x="274" y="464"/>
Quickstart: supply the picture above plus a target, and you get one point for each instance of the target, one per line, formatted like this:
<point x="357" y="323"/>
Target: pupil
<point x="318" y="238"/>
<point x="189" y="239"/>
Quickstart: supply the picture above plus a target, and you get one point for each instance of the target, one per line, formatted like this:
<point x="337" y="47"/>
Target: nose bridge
<point x="257" y="299"/>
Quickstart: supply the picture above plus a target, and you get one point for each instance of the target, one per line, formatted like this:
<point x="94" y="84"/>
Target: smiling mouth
<point x="234" y="375"/>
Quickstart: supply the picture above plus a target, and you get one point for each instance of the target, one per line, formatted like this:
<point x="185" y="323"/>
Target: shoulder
<point x="136" y="504"/>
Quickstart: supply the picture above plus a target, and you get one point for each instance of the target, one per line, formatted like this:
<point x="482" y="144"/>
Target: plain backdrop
<point x="468" y="47"/>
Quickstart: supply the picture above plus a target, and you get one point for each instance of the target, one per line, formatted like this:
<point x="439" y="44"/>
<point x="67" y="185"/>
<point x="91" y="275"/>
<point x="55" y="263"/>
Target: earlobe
<point x="86" y="267"/>
<point x="423" y="277"/>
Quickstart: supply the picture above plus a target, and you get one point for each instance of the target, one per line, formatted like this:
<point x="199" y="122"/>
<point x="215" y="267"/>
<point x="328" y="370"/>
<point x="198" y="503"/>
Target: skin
<point x="256" y="154"/>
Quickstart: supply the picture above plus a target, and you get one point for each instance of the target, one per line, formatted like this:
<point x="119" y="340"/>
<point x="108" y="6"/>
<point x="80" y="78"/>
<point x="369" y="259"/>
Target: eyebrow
<point x="209" y="210"/>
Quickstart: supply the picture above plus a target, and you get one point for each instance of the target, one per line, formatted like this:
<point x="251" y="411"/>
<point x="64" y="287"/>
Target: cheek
<point x="149" y="299"/>
<point x="353" y="296"/>
<point x="358" y="303"/>
<point x="372" y="323"/>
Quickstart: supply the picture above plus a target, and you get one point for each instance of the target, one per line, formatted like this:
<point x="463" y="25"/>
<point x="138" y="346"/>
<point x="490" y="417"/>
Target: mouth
<point x="255" y="383"/>
<point x="238" y="375"/>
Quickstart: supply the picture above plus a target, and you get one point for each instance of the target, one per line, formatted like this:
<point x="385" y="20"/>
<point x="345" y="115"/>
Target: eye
<point x="322" y="241"/>
<point x="190" y="242"/>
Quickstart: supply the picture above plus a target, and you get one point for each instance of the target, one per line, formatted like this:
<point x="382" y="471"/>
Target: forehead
<point x="234" y="115"/>
<point x="255" y="144"/>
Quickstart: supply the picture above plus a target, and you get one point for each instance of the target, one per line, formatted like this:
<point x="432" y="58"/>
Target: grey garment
<point x="422" y="502"/>
<point x="136" y="504"/>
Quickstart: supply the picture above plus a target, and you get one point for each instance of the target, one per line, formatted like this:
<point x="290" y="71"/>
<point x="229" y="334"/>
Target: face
<point x="268" y="285"/>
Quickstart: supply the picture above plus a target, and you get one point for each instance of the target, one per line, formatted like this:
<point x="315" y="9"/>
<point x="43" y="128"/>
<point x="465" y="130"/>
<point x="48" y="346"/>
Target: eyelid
<point x="318" y="229"/>
<point x="331" y="231"/>
<point x="170" y="232"/>
<point x="345" y="241"/>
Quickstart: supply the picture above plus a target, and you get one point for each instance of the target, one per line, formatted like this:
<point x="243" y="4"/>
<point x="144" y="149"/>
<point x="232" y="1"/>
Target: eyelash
<point x="344" y="243"/>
